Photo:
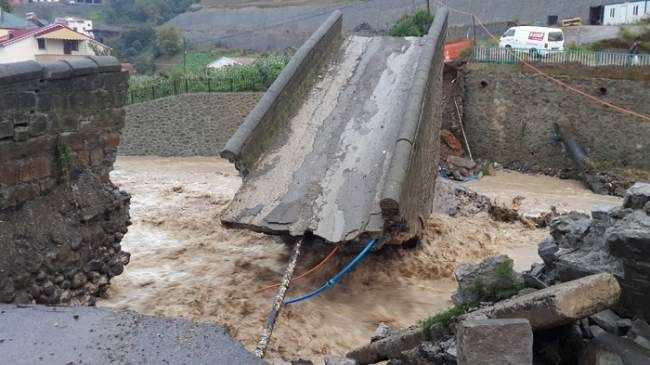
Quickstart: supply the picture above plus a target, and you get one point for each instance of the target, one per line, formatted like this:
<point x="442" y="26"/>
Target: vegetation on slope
<point x="256" y="77"/>
<point x="415" y="25"/>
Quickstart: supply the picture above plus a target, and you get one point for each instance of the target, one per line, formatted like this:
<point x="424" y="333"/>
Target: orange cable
<point x="313" y="269"/>
<point x="559" y="82"/>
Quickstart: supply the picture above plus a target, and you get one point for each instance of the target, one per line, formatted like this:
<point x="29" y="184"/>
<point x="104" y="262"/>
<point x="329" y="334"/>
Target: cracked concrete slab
<point x="327" y="166"/>
<point x="327" y="176"/>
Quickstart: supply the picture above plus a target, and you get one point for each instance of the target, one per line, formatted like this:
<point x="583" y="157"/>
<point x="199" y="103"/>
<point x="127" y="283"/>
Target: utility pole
<point x="474" y="28"/>
<point x="184" y="56"/>
<point x="429" y="7"/>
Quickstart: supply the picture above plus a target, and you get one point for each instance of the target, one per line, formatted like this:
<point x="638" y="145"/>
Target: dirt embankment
<point x="186" y="264"/>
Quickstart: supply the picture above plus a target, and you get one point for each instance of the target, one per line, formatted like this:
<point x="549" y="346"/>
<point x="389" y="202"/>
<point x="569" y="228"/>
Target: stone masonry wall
<point x="61" y="219"/>
<point x="509" y="116"/>
<point x="185" y="125"/>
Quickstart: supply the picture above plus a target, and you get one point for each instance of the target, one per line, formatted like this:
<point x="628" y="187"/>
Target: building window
<point x="612" y="12"/>
<point x="69" y="46"/>
<point x="635" y="11"/>
<point x="41" y="43"/>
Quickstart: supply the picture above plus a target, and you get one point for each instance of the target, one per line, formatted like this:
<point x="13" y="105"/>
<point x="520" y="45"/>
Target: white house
<point x="230" y="61"/>
<point x="50" y="43"/>
<point x="80" y="25"/>
<point x="626" y="13"/>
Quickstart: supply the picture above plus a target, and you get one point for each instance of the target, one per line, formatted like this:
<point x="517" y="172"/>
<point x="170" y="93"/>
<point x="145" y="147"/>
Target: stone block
<point x="37" y="124"/>
<point x="601" y="212"/>
<point x="27" y="101"/>
<point x="20" y="71"/>
<point x="607" y="320"/>
<point x="608" y="349"/>
<point x="630" y="237"/>
<point x="495" y="342"/>
<point x="8" y="173"/>
<point x="112" y="139"/>
<point x="637" y="196"/>
<point x="42" y="167"/>
<point x="106" y="63"/>
<point x="547" y="250"/>
<point x="559" y="304"/>
<point x="82" y="66"/>
<point x="21" y="134"/>
<point x="6" y="129"/>
<point x="57" y="70"/>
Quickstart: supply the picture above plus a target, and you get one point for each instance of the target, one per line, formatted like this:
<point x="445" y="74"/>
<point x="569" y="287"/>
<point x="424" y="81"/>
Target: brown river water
<point x="185" y="264"/>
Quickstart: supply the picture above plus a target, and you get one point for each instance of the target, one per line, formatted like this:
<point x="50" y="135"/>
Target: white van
<point x="538" y="41"/>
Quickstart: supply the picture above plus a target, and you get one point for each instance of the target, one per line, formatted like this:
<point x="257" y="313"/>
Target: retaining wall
<point x="61" y="219"/>
<point x="510" y="112"/>
<point x="185" y="125"/>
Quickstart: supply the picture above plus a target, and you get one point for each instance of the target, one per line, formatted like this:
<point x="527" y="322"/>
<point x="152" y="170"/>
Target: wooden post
<point x="278" y="301"/>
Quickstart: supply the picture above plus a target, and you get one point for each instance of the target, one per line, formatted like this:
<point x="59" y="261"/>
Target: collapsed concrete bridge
<point x="344" y="144"/>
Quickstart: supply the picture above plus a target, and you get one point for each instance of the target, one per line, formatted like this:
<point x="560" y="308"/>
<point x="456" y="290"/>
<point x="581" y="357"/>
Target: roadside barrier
<point x="586" y="58"/>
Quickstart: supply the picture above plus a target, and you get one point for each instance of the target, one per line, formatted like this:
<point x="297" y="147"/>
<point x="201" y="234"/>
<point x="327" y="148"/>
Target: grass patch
<point x="504" y="287"/>
<point x="415" y="25"/>
<point x="443" y="319"/>
<point x="64" y="158"/>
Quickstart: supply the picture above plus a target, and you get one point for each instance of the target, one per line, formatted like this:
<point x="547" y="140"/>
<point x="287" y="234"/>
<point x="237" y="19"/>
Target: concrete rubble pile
<point x="586" y="304"/>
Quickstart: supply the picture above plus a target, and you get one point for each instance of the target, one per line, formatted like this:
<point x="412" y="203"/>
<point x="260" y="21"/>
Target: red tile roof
<point x="20" y="34"/>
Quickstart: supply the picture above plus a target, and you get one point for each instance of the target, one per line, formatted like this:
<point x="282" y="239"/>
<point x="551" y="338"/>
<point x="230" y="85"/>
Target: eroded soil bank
<point x="185" y="264"/>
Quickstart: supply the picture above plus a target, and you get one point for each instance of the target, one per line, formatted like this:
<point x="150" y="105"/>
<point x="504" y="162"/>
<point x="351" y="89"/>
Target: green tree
<point x="5" y="5"/>
<point x="168" y="41"/>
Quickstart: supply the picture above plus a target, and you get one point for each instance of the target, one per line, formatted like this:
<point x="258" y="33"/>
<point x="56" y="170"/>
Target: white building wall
<point x="19" y="51"/>
<point x="625" y="13"/>
<point x="27" y="50"/>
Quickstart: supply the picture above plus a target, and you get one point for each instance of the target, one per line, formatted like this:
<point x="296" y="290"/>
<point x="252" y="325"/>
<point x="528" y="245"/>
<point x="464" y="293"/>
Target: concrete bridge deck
<point x="354" y="155"/>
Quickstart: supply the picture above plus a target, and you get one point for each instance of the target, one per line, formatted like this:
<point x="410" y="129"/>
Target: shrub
<point x="168" y="40"/>
<point x="443" y="319"/>
<point x="415" y="25"/>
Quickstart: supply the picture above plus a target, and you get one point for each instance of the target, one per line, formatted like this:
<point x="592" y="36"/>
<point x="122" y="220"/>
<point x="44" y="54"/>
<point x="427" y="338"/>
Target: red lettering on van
<point x="536" y="36"/>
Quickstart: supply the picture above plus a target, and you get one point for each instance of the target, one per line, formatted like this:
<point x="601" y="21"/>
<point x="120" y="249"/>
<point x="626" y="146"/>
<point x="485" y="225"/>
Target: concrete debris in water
<point x="389" y="347"/>
<point x="382" y="331"/>
<point x="614" y="240"/>
<point x="334" y="360"/>
<point x="495" y="342"/>
<point x="559" y="304"/>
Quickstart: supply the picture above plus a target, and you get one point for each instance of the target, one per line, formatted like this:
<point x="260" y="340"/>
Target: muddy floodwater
<point x="185" y="264"/>
<point x="539" y="193"/>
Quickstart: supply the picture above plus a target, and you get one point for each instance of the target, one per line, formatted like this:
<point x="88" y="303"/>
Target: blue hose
<point x="335" y="279"/>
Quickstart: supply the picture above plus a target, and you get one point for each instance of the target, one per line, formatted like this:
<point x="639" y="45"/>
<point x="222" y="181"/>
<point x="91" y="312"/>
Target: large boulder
<point x="559" y="304"/>
<point x="494" y="342"/>
<point x="390" y="347"/>
<point x="490" y="280"/>
<point x="637" y="196"/>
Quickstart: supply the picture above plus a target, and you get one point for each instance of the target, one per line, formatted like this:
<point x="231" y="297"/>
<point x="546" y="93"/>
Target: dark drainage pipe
<point x="575" y="150"/>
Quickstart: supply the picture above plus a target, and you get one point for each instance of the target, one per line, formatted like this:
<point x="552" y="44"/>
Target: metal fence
<point x="164" y="88"/>
<point x="587" y="58"/>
